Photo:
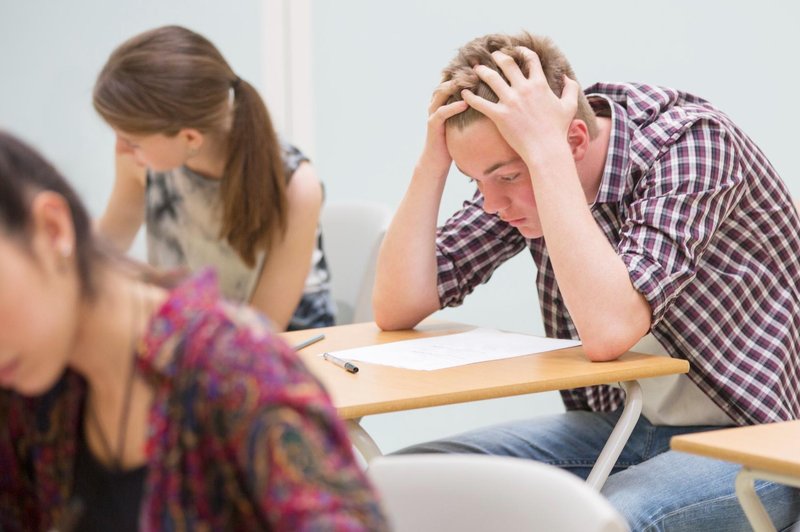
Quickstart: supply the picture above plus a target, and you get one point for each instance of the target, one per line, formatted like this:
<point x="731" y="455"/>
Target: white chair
<point x="471" y="493"/>
<point x="352" y="232"/>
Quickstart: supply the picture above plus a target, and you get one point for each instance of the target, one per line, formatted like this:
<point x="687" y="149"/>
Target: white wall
<point x="374" y="66"/>
<point x="51" y="52"/>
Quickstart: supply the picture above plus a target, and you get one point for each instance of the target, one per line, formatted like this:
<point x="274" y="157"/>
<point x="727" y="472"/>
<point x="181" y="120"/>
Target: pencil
<point x="308" y="341"/>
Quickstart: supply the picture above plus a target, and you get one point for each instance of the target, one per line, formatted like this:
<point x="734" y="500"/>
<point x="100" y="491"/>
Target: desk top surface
<point x="377" y="389"/>
<point x="772" y="447"/>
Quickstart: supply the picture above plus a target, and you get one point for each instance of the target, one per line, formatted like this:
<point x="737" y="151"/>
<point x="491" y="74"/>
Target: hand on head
<point x="528" y="113"/>
<point x="435" y="155"/>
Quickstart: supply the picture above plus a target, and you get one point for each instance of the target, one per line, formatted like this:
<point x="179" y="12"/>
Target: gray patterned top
<point x="183" y="226"/>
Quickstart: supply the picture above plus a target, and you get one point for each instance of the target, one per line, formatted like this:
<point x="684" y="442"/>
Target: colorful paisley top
<point x="241" y="435"/>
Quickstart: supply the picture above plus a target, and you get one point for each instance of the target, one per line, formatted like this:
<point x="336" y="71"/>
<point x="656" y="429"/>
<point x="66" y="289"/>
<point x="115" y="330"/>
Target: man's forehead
<point x="490" y="169"/>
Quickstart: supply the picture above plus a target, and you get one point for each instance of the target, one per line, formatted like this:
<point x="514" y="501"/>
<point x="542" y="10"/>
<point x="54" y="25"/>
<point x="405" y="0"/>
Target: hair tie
<point x="236" y="82"/>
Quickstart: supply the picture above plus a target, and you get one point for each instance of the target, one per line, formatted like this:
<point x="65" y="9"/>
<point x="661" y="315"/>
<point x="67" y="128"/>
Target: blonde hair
<point x="478" y="52"/>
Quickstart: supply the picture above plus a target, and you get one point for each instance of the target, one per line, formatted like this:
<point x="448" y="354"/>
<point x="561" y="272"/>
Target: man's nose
<point x="494" y="201"/>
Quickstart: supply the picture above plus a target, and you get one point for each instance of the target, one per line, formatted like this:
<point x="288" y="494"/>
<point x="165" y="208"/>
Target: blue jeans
<point x="654" y="488"/>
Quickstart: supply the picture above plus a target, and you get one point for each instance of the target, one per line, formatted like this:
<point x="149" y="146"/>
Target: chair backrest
<point x="352" y="232"/>
<point x="442" y="492"/>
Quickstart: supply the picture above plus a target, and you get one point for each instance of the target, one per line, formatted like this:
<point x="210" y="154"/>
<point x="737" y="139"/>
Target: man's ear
<point x="578" y="138"/>
<point x="53" y="230"/>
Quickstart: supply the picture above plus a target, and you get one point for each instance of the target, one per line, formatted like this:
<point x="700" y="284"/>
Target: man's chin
<point x="529" y="232"/>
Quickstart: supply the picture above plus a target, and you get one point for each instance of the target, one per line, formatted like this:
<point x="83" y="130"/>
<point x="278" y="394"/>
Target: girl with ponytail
<point x="198" y="161"/>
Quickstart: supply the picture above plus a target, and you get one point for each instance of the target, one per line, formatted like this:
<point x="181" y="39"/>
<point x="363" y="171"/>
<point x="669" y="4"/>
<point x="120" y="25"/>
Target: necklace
<point x="117" y="455"/>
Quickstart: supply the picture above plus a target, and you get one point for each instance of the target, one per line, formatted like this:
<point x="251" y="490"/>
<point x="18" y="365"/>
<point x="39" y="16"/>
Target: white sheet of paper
<point x="439" y="352"/>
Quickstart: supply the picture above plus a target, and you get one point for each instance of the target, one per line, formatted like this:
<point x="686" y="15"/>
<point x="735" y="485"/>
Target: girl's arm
<point x="124" y="213"/>
<point x="286" y="267"/>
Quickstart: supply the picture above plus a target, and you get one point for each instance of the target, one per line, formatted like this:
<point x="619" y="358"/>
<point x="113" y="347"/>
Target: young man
<point x="655" y="223"/>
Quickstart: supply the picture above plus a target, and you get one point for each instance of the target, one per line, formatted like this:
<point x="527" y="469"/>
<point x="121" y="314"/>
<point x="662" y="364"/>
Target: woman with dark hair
<point x="199" y="161"/>
<point x="129" y="406"/>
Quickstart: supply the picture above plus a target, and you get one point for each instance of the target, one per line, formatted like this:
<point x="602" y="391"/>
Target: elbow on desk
<point x="605" y="348"/>
<point x="608" y="340"/>
<point x="392" y="316"/>
<point x="391" y="320"/>
<point x="600" y="353"/>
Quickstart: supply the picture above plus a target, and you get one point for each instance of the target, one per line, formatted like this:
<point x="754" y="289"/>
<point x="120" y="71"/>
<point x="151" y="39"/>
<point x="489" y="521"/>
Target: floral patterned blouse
<point x="241" y="435"/>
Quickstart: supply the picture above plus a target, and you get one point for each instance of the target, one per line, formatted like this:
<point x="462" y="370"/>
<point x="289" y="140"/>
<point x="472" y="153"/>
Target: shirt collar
<point x="616" y="172"/>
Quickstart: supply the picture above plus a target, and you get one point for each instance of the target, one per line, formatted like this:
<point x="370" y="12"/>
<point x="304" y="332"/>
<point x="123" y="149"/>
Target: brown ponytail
<point x="254" y="177"/>
<point x="171" y="78"/>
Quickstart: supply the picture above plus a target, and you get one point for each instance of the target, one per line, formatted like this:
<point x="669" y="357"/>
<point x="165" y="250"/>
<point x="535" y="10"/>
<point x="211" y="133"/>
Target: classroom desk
<point x="377" y="389"/>
<point x="766" y="452"/>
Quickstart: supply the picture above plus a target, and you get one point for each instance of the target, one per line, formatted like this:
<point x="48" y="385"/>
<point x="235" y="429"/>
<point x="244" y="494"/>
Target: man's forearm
<point x="608" y="312"/>
<point x="405" y="282"/>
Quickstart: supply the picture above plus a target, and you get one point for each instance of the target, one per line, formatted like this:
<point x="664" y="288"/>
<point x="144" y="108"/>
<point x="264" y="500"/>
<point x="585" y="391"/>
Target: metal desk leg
<point x="748" y="498"/>
<point x="362" y="441"/>
<point x="619" y="436"/>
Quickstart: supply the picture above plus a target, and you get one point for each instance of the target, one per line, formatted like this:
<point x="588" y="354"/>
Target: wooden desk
<point x="766" y="452"/>
<point x="379" y="389"/>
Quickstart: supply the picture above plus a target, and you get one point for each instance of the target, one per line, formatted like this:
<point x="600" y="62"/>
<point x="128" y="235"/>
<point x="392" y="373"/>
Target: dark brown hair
<point x="24" y="173"/>
<point x="478" y="52"/>
<point x="171" y="78"/>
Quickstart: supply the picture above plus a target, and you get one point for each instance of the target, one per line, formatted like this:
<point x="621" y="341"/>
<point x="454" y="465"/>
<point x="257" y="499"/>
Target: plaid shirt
<point x="708" y="233"/>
